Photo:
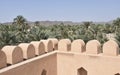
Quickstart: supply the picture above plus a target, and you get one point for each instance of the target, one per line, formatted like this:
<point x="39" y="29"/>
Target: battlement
<point x="109" y="48"/>
<point x="16" y="54"/>
<point x="10" y="55"/>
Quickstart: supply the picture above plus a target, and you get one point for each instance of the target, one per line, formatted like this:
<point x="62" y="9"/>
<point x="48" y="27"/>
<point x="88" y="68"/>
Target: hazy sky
<point x="63" y="10"/>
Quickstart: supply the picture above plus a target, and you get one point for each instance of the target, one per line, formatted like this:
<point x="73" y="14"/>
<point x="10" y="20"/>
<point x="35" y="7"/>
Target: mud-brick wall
<point x="78" y="58"/>
<point x="46" y="63"/>
<point x="70" y="63"/>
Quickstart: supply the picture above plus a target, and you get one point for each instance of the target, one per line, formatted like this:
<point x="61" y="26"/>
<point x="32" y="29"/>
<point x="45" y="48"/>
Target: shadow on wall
<point x="44" y="72"/>
<point x="117" y="74"/>
<point x="82" y="71"/>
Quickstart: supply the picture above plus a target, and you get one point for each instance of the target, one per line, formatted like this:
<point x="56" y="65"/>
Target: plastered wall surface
<point x="63" y="57"/>
<point x="33" y="66"/>
<point x="69" y="63"/>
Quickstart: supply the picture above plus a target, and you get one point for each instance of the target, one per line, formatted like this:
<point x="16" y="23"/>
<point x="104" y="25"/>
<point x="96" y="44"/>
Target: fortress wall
<point x="96" y="60"/>
<point x="69" y="57"/>
<point x="110" y="48"/>
<point x="34" y="66"/>
<point x="10" y="55"/>
<point x="69" y="63"/>
<point x="14" y="56"/>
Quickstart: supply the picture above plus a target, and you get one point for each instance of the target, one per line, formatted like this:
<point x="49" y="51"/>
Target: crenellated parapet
<point x="93" y="47"/>
<point x="48" y="45"/>
<point x="39" y="47"/>
<point x="28" y="50"/>
<point x="16" y="54"/>
<point x="109" y="48"/>
<point x="64" y="45"/>
<point x="78" y="46"/>
<point x="55" y="43"/>
<point x="10" y="55"/>
<point x="3" y="60"/>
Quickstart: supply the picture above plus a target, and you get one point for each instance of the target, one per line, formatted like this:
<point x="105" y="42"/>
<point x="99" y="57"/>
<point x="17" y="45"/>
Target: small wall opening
<point x="81" y="71"/>
<point x="117" y="74"/>
<point x="44" y="72"/>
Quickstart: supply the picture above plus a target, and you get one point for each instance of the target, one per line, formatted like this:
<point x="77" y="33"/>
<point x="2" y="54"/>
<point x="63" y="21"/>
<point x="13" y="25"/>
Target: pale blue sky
<point x="60" y="10"/>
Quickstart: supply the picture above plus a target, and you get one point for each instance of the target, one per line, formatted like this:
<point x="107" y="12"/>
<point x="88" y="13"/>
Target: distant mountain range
<point x="47" y="23"/>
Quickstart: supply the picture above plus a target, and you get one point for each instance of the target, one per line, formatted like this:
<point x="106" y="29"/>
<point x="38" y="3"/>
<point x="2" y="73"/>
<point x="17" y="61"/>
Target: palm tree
<point x="37" y="23"/>
<point x="7" y="35"/>
<point x="38" y="32"/>
<point x="22" y="28"/>
<point x="117" y="22"/>
<point x="19" y="20"/>
<point x="87" y="24"/>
